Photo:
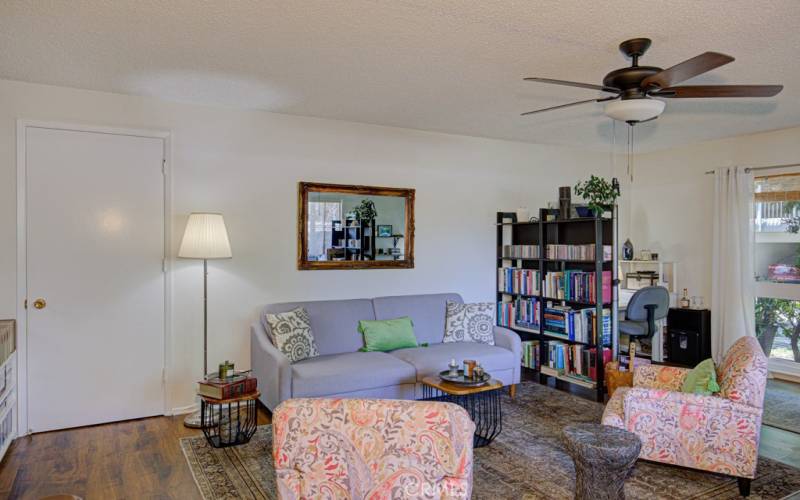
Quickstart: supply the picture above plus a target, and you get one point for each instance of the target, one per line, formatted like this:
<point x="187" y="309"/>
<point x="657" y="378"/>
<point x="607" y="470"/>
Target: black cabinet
<point x="689" y="336"/>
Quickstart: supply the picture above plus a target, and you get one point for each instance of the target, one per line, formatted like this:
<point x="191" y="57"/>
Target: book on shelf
<point x="515" y="280"/>
<point x="522" y="312"/>
<point x="576" y="252"/>
<point x="227" y="390"/>
<point x="520" y="251"/>
<point x="578" y="286"/>
<point x="574" y="361"/>
<point x="530" y="354"/>
<point x="578" y="325"/>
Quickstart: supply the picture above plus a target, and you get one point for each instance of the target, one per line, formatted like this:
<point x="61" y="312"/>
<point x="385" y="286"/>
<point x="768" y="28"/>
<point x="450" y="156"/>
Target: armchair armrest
<point x="508" y="339"/>
<point x="659" y="377"/>
<point x="270" y="367"/>
<point x="692" y="430"/>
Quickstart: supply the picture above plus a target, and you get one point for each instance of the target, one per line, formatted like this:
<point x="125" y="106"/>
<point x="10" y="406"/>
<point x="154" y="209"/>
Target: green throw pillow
<point x="702" y="379"/>
<point x="387" y="334"/>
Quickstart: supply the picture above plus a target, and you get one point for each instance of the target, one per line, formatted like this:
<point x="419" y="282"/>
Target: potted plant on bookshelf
<point x="366" y="211"/>
<point x="599" y="193"/>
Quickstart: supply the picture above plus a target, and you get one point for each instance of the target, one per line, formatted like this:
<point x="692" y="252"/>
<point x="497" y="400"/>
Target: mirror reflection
<point x="356" y="226"/>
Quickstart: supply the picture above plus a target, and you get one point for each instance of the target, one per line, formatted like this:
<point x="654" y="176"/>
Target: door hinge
<point x="164" y="375"/>
<point x="25" y="304"/>
<point x="163" y="265"/>
<point x="164" y="166"/>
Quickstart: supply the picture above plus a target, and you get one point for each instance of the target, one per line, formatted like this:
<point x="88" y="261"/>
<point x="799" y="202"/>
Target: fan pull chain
<point x="613" y="145"/>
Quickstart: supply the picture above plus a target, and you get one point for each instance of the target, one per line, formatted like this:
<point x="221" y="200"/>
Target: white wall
<point x="246" y="164"/>
<point x="669" y="205"/>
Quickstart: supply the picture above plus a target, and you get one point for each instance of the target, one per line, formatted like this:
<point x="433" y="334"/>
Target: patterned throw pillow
<point x="291" y="334"/>
<point x="469" y="323"/>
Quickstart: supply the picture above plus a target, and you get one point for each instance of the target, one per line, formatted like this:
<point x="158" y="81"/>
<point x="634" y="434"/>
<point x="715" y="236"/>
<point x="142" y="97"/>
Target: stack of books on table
<point x="230" y="387"/>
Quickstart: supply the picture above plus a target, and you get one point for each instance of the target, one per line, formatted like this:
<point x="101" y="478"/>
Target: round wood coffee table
<point x="482" y="403"/>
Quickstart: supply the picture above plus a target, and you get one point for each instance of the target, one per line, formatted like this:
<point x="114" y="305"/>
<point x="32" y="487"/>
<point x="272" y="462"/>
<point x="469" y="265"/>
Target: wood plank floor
<point x="143" y="459"/>
<point x="135" y="459"/>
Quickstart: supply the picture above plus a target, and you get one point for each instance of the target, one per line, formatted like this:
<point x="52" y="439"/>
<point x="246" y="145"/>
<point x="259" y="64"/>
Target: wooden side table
<point x="615" y="378"/>
<point x="228" y="422"/>
<point x="482" y="403"/>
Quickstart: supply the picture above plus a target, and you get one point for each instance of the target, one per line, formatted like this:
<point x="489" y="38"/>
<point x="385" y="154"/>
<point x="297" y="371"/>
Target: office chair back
<point x="656" y="295"/>
<point x="647" y="306"/>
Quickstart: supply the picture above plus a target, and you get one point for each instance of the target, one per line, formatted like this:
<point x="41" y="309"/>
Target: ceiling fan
<point x="634" y="87"/>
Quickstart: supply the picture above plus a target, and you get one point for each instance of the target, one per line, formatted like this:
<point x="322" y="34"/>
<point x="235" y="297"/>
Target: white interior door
<point x="95" y="244"/>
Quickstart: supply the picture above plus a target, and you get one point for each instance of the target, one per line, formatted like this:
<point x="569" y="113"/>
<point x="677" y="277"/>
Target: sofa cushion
<point x="387" y="334"/>
<point x="334" y="322"/>
<point x="469" y="322"/>
<point x="426" y="311"/>
<point x="434" y="358"/>
<point x="348" y="372"/>
<point x="291" y="334"/>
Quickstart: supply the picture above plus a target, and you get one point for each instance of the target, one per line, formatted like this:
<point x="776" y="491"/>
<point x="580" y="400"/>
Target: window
<point x="321" y="217"/>
<point x="777" y="267"/>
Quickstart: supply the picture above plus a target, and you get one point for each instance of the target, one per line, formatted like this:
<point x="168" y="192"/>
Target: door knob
<point x="39" y="303"/>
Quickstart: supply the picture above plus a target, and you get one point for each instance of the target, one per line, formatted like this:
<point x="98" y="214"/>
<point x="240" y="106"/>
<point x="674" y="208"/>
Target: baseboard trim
<point x="182" y="410"/>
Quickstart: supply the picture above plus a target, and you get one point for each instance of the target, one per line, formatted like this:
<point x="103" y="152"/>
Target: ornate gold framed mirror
<point x="354" y="227"/>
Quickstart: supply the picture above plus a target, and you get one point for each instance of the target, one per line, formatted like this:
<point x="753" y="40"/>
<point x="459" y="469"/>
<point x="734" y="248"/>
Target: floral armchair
<point x="372" y="449"/>
<point x="717" y="433"/>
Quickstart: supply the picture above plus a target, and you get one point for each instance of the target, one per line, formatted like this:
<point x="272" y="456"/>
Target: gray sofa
<point x="342" y="371"/>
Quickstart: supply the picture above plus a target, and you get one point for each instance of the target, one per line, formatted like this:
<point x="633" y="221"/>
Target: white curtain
<point x="732" y="285"/>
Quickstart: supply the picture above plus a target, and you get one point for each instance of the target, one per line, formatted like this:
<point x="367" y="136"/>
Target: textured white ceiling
<point x="444" y="65"/>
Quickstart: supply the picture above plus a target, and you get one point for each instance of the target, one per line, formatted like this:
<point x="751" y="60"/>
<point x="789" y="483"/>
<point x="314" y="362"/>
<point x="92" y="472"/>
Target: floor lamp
<point x="205" y="238"/>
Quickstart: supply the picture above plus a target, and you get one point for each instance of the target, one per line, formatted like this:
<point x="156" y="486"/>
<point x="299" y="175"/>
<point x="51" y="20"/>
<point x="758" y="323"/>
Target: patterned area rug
<point x="526" y="461"/>
<point x="782" y="405"/>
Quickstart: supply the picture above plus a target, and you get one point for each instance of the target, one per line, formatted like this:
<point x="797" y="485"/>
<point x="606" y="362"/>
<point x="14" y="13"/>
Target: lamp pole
<point x="205" y="317"/>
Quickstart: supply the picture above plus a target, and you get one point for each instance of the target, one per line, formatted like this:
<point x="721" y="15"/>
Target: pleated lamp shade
<point x="205" y="238"/>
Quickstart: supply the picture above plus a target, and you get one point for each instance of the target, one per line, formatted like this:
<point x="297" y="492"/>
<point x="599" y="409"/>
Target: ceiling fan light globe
<point x="634" y="110"/>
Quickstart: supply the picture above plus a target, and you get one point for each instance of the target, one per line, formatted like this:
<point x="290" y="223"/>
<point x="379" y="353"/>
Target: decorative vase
<point x="564" y="202"/>
<point x="627" y="250"/>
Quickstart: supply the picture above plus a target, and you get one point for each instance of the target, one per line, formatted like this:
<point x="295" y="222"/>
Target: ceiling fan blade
<point x="567" y="105"/>
<point x="689" y="91"/>
<point x="687" y="69"/>
<point x="602" y="88"/>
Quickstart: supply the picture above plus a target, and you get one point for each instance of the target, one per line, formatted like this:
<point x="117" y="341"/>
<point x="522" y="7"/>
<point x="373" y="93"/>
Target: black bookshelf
<point x="353" y="239"/>
<point x="597" y="231"/>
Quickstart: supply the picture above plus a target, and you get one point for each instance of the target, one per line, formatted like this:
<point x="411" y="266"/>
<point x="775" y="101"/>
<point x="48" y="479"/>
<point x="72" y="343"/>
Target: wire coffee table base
<point x="482" y="405"/>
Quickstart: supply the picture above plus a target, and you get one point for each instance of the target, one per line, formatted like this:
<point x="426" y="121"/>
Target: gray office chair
<point x="647" y="306"/>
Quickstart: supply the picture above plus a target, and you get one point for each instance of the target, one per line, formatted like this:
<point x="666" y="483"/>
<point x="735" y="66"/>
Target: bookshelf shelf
<point x="591" y="322"/>
<point x="524" y="329"/>
<point x="550" y="372"/>
<point x="519" y="294"/>
<point x="577" y="302"/>
<point x="575" y="220"/>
